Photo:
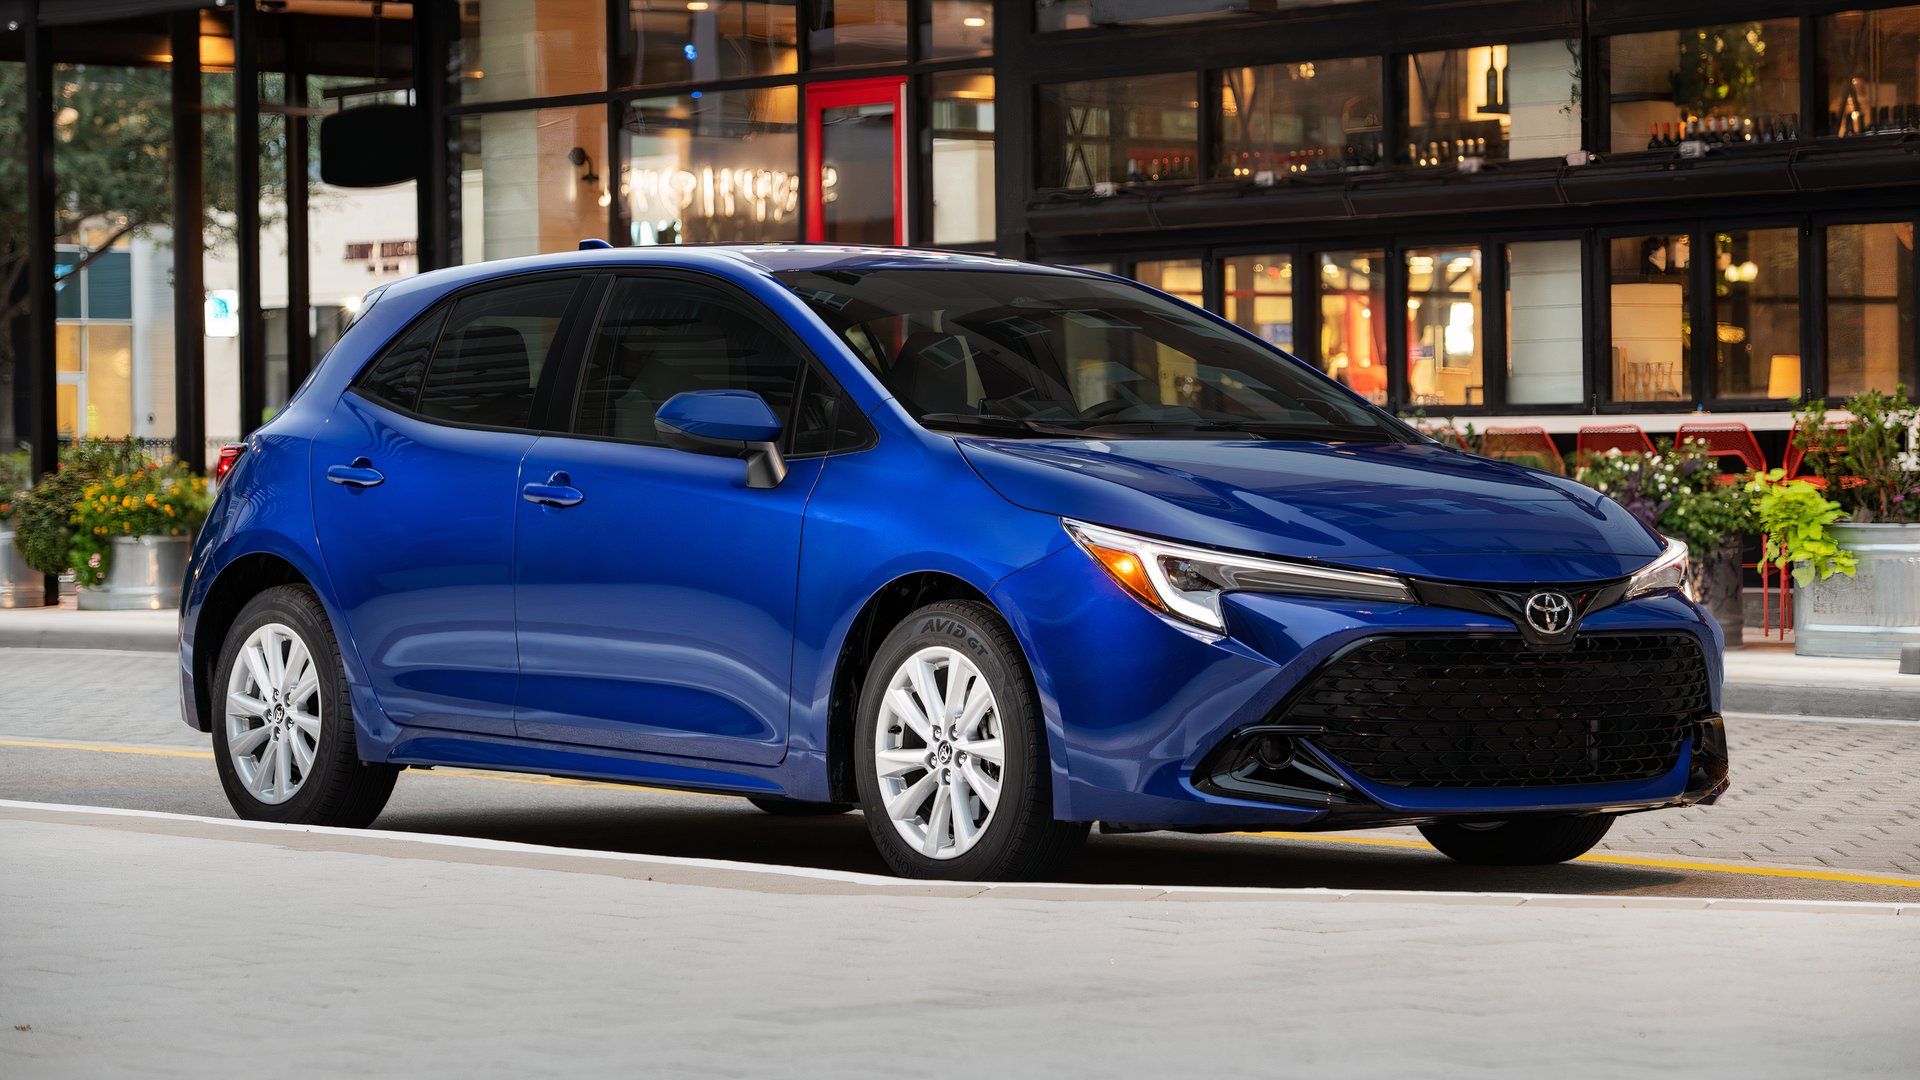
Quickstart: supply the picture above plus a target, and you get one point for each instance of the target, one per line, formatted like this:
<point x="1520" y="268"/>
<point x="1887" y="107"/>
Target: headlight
<point x="1668" y="572"/>
<point x="1187" y="582"/>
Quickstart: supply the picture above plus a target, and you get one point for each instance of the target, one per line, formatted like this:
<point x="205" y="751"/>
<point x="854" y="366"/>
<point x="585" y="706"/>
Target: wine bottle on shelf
<point x="1653" y="140"/>
<point x="1493" y="88"/>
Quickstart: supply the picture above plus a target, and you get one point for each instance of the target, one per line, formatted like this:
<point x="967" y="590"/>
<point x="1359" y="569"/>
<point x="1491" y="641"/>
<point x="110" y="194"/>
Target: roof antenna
<point x="594" y="243"/>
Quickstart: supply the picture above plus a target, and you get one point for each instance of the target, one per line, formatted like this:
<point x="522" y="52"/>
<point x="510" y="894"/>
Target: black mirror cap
<point x="766" y="468"/>
<point x="370" y="146"/>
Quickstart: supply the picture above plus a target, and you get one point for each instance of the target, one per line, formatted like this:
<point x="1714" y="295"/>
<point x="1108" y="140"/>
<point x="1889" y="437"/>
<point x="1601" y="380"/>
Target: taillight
<point x="229" y="457"/>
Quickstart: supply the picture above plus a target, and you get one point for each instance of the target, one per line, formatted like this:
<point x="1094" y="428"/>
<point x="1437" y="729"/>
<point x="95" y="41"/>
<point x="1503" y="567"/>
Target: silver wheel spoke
<point x="302" y="753"/>
<point x="298" y="664"/>
<point x="979" y="701"/>
<point x="282" y="767"/>
<point x="256" y="660"/>
<point x="264" y="772"/>
<point x="308" y="723"/>
<point x="964" y="833"/>
<point x="902" y="705"/>
<point x="905" y="806"/>
<point x="900" y="762"/>
<point x="987" y="750"/>
<point x="984" y="787"/>
<point x="937" y="828"/>
<point x="960" y="679"/>
<point x="927" y="688"/>
<point x="246" y="705"/>
<point x="246" y="744"/>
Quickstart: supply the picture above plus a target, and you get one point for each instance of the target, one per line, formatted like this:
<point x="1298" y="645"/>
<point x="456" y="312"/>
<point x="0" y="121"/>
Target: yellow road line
<point x="1650" y="861"/>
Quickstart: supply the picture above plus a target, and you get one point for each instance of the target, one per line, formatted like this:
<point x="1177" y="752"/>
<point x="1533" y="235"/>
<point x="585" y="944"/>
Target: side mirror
<point x="726" y="423"/>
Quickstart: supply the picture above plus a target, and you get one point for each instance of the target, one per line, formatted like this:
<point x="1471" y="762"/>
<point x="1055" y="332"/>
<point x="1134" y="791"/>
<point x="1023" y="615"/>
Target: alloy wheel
<point x="938" y="752"/>
<point x="273" y="713"/>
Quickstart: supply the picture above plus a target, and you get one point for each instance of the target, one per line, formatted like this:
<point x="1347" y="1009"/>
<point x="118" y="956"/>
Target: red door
<point x="857" y="161"/>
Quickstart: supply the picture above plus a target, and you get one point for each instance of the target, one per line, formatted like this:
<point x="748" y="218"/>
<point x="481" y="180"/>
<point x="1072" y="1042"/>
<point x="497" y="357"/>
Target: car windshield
<point x="1039" y="354"/>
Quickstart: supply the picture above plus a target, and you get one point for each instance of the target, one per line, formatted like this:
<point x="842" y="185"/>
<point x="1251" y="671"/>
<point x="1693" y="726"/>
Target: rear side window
<point x="491" y="353"/>
<point x="660" y="337"/>
<point x="395" y="377"/>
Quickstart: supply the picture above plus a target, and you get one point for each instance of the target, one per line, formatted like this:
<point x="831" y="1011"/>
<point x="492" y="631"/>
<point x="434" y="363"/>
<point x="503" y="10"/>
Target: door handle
<point x="360" y="474"/>
<point x="557" y="491"/>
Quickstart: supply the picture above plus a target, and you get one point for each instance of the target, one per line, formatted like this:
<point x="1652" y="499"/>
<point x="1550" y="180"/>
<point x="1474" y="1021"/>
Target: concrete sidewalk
<point x="156" y="944"/>
<point x="1765" y="677"/>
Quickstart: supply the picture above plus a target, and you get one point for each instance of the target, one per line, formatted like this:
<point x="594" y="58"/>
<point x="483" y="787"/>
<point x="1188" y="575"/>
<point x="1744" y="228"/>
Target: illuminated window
<point x="673" y="41"/>
<point x="1313" y="116"/>
<point x="1649" y="290"/>
<point x="1445" y="353"/>
<point x="1756" y="314"/>
<point x="1738" y="82"/>
<point x="514" y="49"/>
<point x="718" y="166"/>
<point x="1870" y="308"/>
<point x="1258" y="290"/>
<point x="1353" y="334"/>
<point x="1492" y="102"/>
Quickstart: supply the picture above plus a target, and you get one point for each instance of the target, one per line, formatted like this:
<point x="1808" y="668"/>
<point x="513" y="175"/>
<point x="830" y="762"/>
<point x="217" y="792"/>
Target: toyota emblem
<point x="1550" y="612"/>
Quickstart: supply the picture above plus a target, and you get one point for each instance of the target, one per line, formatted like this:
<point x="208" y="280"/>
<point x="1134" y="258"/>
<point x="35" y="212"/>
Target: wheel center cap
<point x="945" y="753"/>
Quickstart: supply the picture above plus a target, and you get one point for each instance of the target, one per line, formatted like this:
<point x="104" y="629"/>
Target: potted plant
<point x="132" y="534"/>
<point x="1677" y="491"/>
<point x="1871" y="475"/>
<point x="20" y="585"/>
<point x="43" y="513"/>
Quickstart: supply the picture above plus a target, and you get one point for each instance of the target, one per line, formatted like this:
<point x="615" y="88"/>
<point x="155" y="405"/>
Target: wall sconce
<point x="580" y="160"/>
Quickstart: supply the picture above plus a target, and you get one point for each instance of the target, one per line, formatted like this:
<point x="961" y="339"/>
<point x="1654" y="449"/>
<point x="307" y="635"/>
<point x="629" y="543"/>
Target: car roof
<point x="769" y="258"/>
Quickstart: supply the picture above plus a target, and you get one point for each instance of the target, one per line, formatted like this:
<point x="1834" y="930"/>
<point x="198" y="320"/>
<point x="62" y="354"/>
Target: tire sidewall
<point x="1016" y="704"/>
<point x="282" y="605"/>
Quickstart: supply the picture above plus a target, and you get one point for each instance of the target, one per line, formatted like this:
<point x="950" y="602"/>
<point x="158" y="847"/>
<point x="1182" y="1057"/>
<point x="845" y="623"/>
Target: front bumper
<point x="1144" y="714"/>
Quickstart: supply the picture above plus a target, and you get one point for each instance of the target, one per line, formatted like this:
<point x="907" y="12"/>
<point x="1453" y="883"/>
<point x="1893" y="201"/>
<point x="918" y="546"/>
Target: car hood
<point x="1413" y="509"/>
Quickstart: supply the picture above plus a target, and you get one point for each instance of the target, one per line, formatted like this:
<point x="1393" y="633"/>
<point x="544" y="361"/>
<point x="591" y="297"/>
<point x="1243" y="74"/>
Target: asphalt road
<point x="1818" y="810"/>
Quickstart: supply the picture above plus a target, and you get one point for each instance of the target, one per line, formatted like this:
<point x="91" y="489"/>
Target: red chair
<point x="1526" y="445"/>
<point x="1727" y="439"/>
<point x="1600" y="438"/>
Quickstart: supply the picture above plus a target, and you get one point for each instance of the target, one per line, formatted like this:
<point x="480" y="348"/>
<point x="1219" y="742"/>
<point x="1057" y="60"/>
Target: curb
<point x="1791" y="699"/>
<point x="157" y="639"/>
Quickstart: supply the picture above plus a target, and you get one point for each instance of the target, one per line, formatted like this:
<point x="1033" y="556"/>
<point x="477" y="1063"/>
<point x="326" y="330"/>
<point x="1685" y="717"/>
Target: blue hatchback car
<point x="988" y="550"/>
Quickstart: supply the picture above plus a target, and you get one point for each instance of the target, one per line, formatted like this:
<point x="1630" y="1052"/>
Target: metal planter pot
<point x="21" y="585"/>
<point x="1874" y="612"/>
<point x="146" y="573"/>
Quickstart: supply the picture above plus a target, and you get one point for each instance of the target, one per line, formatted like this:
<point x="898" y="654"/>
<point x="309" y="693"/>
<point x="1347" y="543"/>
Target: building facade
<point x="1483" y="210"/>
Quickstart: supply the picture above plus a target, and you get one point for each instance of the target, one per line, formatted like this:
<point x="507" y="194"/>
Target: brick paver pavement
<point x="1805" y="793"/>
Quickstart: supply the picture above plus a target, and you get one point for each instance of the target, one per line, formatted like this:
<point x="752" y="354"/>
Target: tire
<point x="1522" y="841"/>
<point x="1008" y="805"/>
<point x="779" y="807"/>
<point x="336" y="787"/>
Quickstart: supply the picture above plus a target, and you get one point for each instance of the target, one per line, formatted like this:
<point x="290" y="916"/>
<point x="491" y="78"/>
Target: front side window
<point x="661" y="337"/>
<point x="490" y="355"/>
<point x="1042" y="354"/>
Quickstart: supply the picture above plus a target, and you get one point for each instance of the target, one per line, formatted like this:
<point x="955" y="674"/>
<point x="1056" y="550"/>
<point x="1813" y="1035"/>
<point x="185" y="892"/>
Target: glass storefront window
<point x="1648" y="293"/>
<point x="1081" y="14"/>
<point x="1445" y="353"/>
<point x="1738" y="82"/>
<point x="1546" y="325"/>
<point x="957" y="28"/>
<point x="1873" y="71"/>
<point x="1296" y="118"/>
<point x="851" y="33"/>
<point x="1353" y="337"/>
<point x="673" y="41"/>
<point x="1258" y="290"/>
<point x="962" y="167"/>
<point x="531" y="181"/>
<point x="1181" y="277"/>
<point x="1756" y="314"/>
<point x="1870" y="308"/>
<point x="1130" y="131"/>
<point x="1179" y="375"/>
<point x="514" y="49"/>
<point x="718" y="166"/>
<point x="1493" y="102"/>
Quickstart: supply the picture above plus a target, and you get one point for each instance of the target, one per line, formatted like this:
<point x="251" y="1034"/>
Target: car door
<point x="655" y="613"/>
<point x="416" y="490"/>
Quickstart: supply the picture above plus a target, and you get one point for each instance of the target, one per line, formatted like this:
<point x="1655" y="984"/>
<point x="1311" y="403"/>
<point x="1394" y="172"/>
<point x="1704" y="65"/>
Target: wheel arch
<point x="882" y="611"/>
<point x="238" y="582"/>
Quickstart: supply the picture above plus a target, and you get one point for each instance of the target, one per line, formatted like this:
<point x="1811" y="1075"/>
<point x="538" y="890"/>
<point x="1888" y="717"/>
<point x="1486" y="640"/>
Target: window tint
<point x="489" y="358"/>
<point x="662" y="337"/>
<point x="395" y="377"/>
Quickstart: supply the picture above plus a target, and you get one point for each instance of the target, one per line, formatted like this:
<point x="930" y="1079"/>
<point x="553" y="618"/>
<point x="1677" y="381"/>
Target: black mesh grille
<point x="1492" y="712"/>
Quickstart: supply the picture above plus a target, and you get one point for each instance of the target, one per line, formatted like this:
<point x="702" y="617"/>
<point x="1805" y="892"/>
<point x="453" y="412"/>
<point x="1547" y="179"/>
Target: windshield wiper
<point x="1267" y="429"/>
<point x="998" y="423"/>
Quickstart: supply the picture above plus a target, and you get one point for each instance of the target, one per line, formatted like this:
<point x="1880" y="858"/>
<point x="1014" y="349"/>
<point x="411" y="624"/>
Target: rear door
<point x="656" y="613"/>
<point x="416" y="487"/>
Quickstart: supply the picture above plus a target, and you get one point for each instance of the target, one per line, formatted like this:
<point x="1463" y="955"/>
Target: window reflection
<point x="1756" y="314"/>
<point x="1649" y="289"/>
<point x="1492" y="102"/>
<point x="1546" y="324"/>
<point x="673" y="41"/>
<point x="513" y="49"/>
<point x="1734" y="83"/>
<point x="957" y="28"/>
<point x="1259" y="296"/>
<point x="962" y="166"/>
<point x="849" y="33"/>
<point x="718" y="166"/>
<point x="1353" y="337"/>
<point x="531" y="181"/>
<point x="1311" y="116"/>
<point x="1870" y="311"/>
<point x="1444" y="351"/>
<point x="1873" y="71"/>
<point x="1129" y="131"/>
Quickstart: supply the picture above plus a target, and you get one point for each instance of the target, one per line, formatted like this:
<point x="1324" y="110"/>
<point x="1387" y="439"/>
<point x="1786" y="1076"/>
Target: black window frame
<point x="564" y="409"/>
<point x="559" y="354"/>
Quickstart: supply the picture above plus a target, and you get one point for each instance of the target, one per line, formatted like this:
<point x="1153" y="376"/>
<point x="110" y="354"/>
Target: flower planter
<point x="1715" y="580"/>
<point x="20" y="585"/>
<point x="146" y="573"/>
<point x="1874" y="612"/>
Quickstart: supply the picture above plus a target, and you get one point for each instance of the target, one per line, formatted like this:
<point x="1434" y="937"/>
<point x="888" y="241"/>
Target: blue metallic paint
<point x="672" y="584"/>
